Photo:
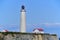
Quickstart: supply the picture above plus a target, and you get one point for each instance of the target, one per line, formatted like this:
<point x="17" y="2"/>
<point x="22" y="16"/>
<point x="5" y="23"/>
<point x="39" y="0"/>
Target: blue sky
<point x="39" y="14"/>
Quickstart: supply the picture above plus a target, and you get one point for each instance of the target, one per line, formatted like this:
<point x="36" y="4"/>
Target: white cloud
<point x="51" y="24"/>
<point x="46" y="24"/>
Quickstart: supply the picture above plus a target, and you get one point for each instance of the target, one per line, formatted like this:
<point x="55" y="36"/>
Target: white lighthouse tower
<point x="23" y="20"/>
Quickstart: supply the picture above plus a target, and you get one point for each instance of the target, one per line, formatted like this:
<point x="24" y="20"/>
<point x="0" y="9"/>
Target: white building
<point x="38" y="30"/>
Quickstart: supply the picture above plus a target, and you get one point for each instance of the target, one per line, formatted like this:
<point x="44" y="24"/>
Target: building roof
<point x="40" y="29"/>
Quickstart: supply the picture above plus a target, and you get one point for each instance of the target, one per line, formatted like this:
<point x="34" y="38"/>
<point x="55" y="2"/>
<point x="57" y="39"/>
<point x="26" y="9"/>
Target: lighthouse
<point x="23" y="19"/>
